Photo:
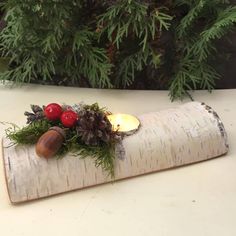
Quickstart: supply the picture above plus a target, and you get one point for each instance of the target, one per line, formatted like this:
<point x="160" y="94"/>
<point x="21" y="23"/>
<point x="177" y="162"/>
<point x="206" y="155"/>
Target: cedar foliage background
<point x="115" y="44"/>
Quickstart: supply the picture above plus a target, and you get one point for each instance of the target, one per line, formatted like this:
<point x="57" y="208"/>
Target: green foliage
<point x="197" y="34"/>
<point x="43" y="41"/>
<point x="88" y="60"/>
<point x="222" y="24"/>
<point x="130" y="27"/>
<point x="3" y="64"/>
<point x="110" y="43"/>
<point x="132" y="63"/>
<point x="72" y="39"/>
<point x="28" y="134"/>
<point x="130" y="17"/>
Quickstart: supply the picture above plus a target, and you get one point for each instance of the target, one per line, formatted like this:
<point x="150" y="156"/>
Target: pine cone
<point x="94" y="128"/>
<point x="37" y="114"/>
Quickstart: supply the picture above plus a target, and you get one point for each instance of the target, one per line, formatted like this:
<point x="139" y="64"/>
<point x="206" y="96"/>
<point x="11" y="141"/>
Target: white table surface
<point x="197" y="200"/>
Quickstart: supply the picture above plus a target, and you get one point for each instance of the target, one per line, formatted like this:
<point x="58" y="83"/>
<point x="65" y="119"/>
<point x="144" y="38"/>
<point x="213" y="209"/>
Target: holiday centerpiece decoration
<point x="81" y="129"/>
<point x="95" y="150"/>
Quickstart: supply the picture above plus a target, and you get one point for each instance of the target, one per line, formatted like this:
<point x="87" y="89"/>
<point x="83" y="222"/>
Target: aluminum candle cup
<point x="123" y="122"/>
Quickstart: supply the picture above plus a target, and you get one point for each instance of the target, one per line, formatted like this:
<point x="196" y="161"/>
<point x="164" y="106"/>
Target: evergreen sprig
<point x="222" y="24"/>
<point x="28" y="134"/>
<point x="132" y="17"/>
<point x="197" y="44"/>
<point x="130" y="27"/>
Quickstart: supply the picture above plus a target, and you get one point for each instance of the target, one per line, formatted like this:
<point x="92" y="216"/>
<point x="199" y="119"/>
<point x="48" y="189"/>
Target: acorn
<point x="50" y="142"/>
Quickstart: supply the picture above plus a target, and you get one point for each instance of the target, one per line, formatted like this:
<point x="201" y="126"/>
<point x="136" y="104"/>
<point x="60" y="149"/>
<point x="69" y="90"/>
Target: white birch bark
<point x="166" y="139"/>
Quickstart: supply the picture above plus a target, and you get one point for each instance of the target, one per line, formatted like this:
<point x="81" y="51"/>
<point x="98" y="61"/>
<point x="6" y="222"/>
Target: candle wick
<point x="117" y="127"/>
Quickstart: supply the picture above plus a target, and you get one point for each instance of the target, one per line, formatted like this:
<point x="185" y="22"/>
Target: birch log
<point x="166" y="139"/>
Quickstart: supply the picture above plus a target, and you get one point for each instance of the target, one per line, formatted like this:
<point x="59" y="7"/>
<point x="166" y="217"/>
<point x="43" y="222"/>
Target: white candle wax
<point x="123" y="122"/>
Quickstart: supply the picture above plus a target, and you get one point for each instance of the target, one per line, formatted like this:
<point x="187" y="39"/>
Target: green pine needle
<point x="28" y="134"/>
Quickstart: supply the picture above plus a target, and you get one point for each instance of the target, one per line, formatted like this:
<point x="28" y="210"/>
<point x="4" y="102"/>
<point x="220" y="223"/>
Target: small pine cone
<point x="94" y="128"/>
<point x="36" y="108"/>
<point x="36" y="115"/>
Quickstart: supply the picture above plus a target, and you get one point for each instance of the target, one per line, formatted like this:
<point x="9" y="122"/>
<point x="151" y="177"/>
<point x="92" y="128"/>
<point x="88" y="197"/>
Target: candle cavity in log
<point x="50" y="142"/>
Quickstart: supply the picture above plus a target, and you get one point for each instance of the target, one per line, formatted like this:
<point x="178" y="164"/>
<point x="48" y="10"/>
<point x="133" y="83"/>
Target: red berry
<point x="53" y="111"/>
<point x="69" y="118"/>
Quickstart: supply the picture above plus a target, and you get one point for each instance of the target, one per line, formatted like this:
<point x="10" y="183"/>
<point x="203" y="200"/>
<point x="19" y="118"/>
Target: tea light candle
<point x="123" y="122"/>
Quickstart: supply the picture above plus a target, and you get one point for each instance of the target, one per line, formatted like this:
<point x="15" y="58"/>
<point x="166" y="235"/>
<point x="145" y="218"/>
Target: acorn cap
<point x="59" y="130"/>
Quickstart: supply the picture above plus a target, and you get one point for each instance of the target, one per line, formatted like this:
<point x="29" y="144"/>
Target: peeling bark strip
<point x="170" y="138"/>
